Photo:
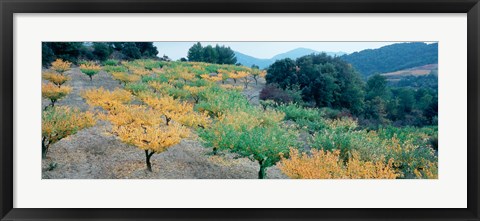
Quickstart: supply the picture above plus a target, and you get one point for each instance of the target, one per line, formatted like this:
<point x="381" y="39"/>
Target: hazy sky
<point x="176" y="50"/>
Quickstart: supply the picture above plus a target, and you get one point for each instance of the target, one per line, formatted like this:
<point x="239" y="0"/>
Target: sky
<point x="176" y="50"/>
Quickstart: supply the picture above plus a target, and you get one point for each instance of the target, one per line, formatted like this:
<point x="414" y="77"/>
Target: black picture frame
<point x="10" y="7"/>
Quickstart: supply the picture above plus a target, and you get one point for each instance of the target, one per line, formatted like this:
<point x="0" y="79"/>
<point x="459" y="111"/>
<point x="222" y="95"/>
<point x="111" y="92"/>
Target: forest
<point x="322" y="81"/>
<point x="314" y="117"/>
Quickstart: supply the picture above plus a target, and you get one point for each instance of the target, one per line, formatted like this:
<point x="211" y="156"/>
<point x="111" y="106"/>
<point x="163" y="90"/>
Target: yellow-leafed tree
<point x="55" y="78"/>
<point x="144" y="128"/>
<point x="168" y="106"/>
<point x="212" y="78"/>
<point x="186" y="76"/>
<point x="125" y="78"/>
<point x="176" y="110"/>
<point x="61" y="66"/>
<point x="60" y="122"/>
<point x="151" y="138"/>
<point x="140" y="71"/>
<point x="54" y="93"/>
<point x="328" y="165"/>
<point x="138" y="115"/>
<point x="137" y="125"/>
<point x="108" y="100"/>
<point x="225" y="75"/>
<point x="256" y="73"/>
<point x="245" y="77"/>
<point x="238" y="75"/>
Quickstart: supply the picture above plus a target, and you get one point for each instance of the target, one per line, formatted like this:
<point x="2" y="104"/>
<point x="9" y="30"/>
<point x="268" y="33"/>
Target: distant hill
<point x="248" y="60"/>
<point x="299" y="52"/>
<point x="393" y="58"/>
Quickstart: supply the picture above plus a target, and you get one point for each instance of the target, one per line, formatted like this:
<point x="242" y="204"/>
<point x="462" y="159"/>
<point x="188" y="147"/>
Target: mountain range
<point x="248" y="60"/>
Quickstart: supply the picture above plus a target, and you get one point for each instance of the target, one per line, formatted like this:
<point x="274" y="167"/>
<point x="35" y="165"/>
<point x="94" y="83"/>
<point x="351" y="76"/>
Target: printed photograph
<point x="239" y="110"/>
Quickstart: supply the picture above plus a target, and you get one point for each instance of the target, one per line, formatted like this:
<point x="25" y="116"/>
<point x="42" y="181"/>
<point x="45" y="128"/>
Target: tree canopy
<point x="216" y="55"/>
<point x="323" y="80"/>
<point x="100" y="51"/>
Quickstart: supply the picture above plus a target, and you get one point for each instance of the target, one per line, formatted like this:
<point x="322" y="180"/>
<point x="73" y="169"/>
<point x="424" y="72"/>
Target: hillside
<point x="421" y="77"/>
<point x="393" y="58"/>
<point x="248" y="60"/>
<point x="415" y="71"/>
<point x="93" y="153"/>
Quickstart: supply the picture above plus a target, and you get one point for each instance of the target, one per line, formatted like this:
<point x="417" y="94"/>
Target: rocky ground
<point x="93" y="154"/>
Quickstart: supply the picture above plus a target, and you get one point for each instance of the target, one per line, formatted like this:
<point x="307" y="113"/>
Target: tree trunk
<point x="90" y="77"/>
<point x="44" y="148"/>
<point x="167" y="119"/>
<point x="53" y="102"/>
<point x="214" y="152"/>
<point x="261" y="172"/>
<point x="147" y="157"/>
<point x="256" y="82"/>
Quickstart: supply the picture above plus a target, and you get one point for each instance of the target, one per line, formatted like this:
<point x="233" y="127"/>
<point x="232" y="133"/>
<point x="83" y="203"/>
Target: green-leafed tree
<point x="147" y="49"/>
<point x="209" y="54"/>
<point x="406" y="101"/>
<point x="67" y="51"/>
<point x="225" y="55"/>
<point x="375" y="110"/>
<point x="117" y="46"/>
<point x="323" y="80"/>
<point x="195" y="53"/>
<point x="215" y="55"/>
<point x="257" y="136"/>
<point x="377" y="87"/>
<point x="377" y="94"/>
<point x="431" y="112"/>
<point x="282" y="73"/>
<point x="101" y="50"/>
<point x="131" y="51"/>
<point x="47" y="54"/>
